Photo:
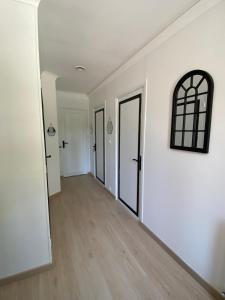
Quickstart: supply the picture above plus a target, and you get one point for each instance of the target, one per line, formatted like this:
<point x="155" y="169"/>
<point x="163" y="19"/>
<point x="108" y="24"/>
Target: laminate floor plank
<point x="102" y="253"/>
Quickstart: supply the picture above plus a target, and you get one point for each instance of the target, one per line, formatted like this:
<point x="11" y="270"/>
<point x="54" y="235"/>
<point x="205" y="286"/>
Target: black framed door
<point x="100" y="144"/>
<point x="129" y="158"/>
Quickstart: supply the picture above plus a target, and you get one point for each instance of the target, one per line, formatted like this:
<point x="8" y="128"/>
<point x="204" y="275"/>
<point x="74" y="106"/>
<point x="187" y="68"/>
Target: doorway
<point x="100" y="145"/>
<point x="129" y="157"/>
<point x="75" y="143"/>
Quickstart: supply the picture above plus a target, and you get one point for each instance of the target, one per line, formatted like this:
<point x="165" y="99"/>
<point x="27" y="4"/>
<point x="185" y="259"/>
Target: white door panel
<point x="100" y="145"/>
<point x="129" y="151"/>
<point x="75" y="153"/>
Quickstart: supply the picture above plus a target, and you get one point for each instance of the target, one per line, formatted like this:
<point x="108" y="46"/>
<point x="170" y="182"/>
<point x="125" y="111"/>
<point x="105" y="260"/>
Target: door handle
<point x="138" y="161"/>
<point x="94" y="147"/>
<point x="64" y="143"/>
<point x="48" y="156"/>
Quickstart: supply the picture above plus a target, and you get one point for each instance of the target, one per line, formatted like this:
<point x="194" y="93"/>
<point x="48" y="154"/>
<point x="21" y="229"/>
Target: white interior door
<point x="129" y="159"/>
<point x="75" y="146"/>
<point x="100" y="145"/>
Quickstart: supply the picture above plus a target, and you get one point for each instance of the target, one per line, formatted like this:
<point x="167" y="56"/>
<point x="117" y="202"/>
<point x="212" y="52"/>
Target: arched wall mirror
<point x="191" y="113"/>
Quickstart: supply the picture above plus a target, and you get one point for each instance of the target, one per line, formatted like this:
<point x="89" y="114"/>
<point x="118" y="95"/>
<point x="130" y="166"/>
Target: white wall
<point x="69" y="101"/>
<point x="24" y="223"/>
<point x="184" y="192"/>
<point x="52" y="142"/>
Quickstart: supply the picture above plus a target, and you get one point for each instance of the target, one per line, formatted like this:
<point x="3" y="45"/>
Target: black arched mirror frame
<point x="191" y="113"/>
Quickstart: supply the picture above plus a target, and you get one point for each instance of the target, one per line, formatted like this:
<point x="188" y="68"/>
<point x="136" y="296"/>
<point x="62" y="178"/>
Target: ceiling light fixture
<point x="80" y="68"/>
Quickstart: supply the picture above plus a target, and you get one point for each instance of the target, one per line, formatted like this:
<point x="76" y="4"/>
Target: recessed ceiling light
<point x="80" y="68"/>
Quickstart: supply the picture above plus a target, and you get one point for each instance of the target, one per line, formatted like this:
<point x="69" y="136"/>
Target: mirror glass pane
<point x="203" y="88"/>
<point x="180" y="109"/>
<point x="190" y="108"/>
<point x="191" y="99"/>
<point x="181" y="101"/>
<point x="188" y="139"/>
<point x="201" y="122"/>
<point x="178" y="138"/>
<point x="179" y="123"/>
<point x="200" y="143"/>
<point x="189" y="122"/>
<point x="196" y="80"/>
<point x="187" y="83"/>
<point x="203" y="102"/>
<point x="191" y="92"/>
<point x="180" y="93"/>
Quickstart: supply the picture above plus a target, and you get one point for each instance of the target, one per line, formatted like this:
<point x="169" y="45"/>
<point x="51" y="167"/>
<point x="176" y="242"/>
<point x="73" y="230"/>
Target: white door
<point x="129" y="159"/>
<point x="100" y="145"/>
<point x="75" y="143"/>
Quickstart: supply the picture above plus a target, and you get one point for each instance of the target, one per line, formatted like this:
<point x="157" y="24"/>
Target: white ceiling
<point x="99" y="34"/>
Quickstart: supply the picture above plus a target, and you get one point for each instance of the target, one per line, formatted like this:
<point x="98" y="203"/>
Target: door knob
<point x="48" y="156"/>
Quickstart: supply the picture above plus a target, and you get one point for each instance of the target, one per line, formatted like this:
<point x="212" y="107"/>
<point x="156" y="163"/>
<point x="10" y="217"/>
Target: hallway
<point x="101" y="252"/>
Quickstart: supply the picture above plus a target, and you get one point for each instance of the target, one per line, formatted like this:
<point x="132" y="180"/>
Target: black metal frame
<point x="46" y="157"/>
<point x="97" y="111"/>
<point x="196" y="113"/>
<point x="138" y="96"/>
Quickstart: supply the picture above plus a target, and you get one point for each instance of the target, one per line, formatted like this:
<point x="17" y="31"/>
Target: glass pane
<point x="190" y="108"/>
<point x="189" y="122"/>
<point x="180" y="93"/>
<point x="190" y="99"/>
<point x="180" y="101"/>
<point x="188" y="139"/>
<point x="191" y="92"/>
<point x="196" y="80"/>
<point x="200" y="142"/>
<point x="178" y="138"/>
<point x="203" y="102"/>
<point x="201" y="122"/>
<point x="187" y="83"/>
<point x="203" y="87"/>
<point x="180" y="109"/>
<point x="179" y="123"/>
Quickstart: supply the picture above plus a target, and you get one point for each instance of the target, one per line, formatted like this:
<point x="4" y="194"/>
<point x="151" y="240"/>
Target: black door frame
<point x="97" y="111"/>
<point x="138" y="96"/>
<point x="46" y="157"/>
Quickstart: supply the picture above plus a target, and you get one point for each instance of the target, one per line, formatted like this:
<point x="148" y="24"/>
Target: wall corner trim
<point x="181" y="22"/>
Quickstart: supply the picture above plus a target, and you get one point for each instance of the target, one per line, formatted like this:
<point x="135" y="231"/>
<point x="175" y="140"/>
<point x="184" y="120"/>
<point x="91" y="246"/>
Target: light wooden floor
<point x="102" y="253"/>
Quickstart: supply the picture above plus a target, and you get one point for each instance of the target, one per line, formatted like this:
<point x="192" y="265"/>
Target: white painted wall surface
<point x="184" y="192"/>
<point x="24" y="222"/>
<point x="52" y="142"/>
<point x="69" y="101"/>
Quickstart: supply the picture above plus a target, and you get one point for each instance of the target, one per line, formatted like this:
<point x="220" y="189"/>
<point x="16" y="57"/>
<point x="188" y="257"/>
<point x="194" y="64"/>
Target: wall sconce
<point x="51" y="130"/>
